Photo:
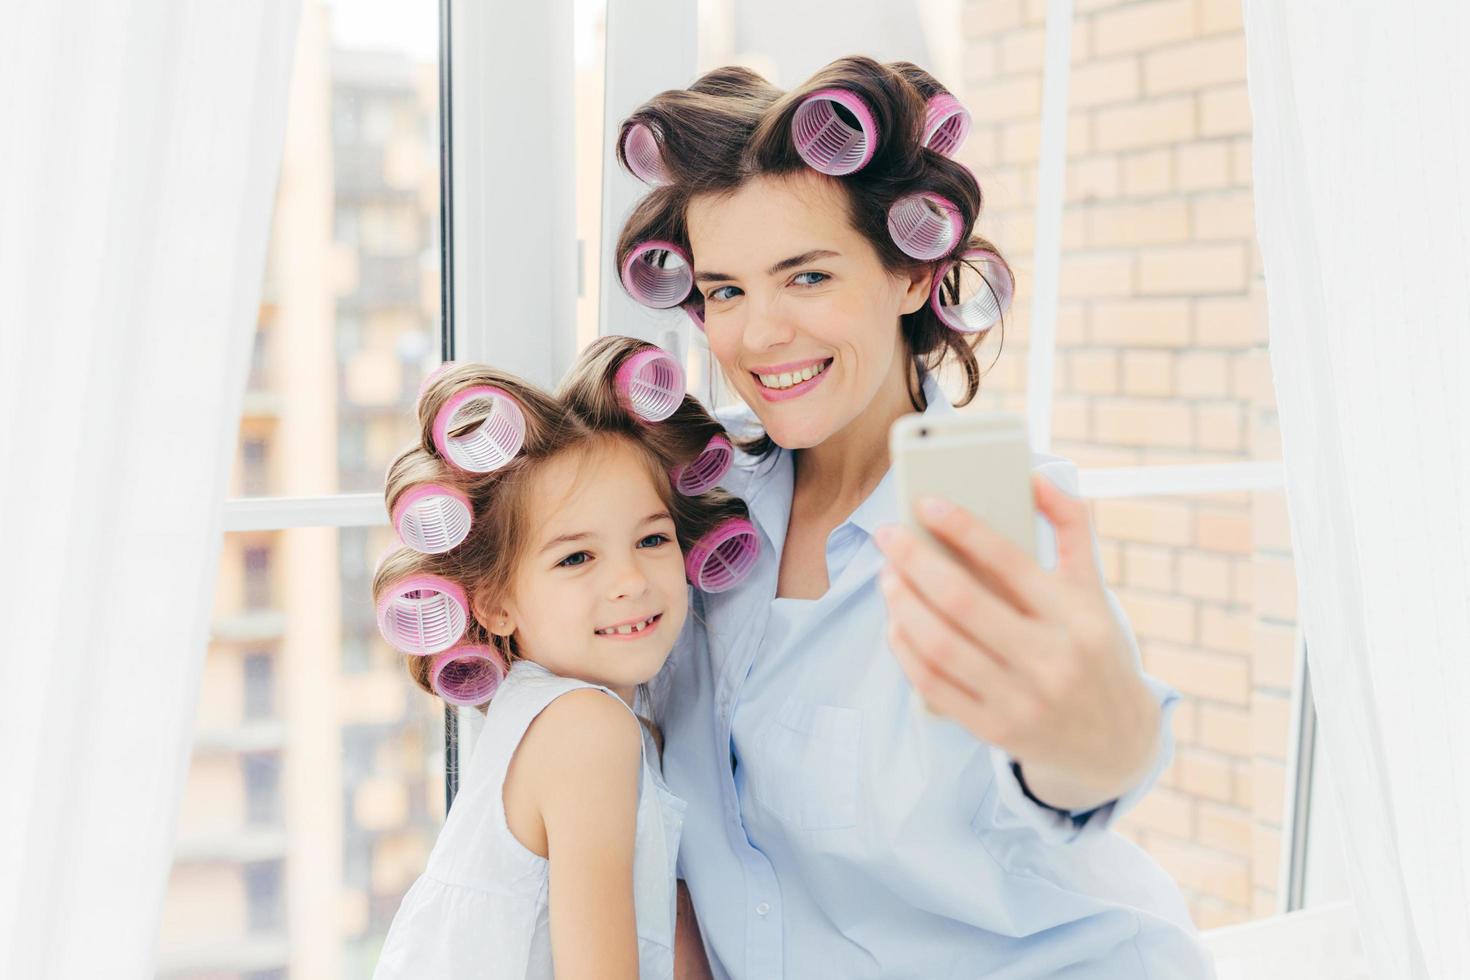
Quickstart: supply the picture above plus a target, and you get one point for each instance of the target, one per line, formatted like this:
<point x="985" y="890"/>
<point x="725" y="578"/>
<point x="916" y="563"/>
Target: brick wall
<point x="1161" y="358"/>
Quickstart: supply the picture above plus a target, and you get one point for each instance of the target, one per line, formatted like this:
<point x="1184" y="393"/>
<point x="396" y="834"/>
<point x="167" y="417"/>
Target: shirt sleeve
<point x="1066" y="826"/>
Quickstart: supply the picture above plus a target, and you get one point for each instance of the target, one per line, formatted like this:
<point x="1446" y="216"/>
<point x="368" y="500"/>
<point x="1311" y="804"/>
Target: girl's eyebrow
<point x="662" y="515"/>
<point x="777" y="269"/>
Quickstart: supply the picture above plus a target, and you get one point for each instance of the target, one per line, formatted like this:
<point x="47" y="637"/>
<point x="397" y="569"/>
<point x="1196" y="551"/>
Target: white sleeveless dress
<point x="480" y="908"/>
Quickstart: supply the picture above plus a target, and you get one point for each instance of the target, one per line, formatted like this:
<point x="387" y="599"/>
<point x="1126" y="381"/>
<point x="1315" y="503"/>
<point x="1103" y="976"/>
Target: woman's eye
<point x="573" y="560"/>
<point x="821" y="278"/>
<point x="654" y="540"/>
<point x="715" y="295"/>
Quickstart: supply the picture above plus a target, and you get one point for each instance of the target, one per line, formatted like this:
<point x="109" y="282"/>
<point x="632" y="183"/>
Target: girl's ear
<point x="496" y="618"/>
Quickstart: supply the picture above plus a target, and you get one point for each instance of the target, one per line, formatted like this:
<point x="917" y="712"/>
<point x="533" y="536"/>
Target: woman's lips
<point x="796" y="390"/>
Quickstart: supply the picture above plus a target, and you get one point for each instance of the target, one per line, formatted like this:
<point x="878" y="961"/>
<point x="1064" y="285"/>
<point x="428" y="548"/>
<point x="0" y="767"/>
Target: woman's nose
<point x="767" y="327"/>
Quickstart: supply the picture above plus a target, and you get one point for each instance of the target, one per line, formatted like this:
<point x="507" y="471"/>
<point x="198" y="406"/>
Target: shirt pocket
<point x="807" y="764"/>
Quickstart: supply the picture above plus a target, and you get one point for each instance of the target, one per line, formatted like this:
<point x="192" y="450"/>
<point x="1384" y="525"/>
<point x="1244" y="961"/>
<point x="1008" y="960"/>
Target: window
<point x="351" y="322"/>
<point x="257" y="577"/>
<point x="265" y="897"/>
<point x="260" y="685"/>
<point x="262" y="788"/>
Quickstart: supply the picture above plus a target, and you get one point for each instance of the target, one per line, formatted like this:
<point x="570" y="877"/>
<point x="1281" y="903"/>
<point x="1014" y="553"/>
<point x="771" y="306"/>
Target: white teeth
<point x="789" y="378"/>
<point x="629" y="629"/>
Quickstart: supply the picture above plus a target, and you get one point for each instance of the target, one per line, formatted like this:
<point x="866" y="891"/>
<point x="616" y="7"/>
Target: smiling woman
<point x="832" y="829"/>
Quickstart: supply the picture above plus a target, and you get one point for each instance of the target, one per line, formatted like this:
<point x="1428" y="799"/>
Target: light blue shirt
<point x="833" y="830"/>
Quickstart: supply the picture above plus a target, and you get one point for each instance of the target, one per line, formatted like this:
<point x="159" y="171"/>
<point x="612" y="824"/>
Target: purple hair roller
<point x="707" y="469"/>
<point x="491" y="444"/>
<point x="644" y="156"/>
<point x="982" y="299"/>
<point x="658" y="274"/>
<point x="466" y="675"/>
<point x="432" y="518"/>
<point x="925" y="225"/>
<point x="722" y="558"/>
<point x="946" y="124"/>
<point x="423" y="614"/>
<point x="826" y="141"/>
<point x="651" y="384"/>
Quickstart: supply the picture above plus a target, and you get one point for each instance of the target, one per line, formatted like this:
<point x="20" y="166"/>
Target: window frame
<point x="646" y="53"/>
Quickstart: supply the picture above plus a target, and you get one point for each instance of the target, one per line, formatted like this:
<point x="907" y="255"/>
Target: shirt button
<point x="763" y="908"/>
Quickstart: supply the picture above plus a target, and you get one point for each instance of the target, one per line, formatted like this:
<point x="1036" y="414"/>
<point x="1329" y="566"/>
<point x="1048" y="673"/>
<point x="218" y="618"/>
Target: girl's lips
<point x="796" y="390"/>
<point x="651" y="627"/>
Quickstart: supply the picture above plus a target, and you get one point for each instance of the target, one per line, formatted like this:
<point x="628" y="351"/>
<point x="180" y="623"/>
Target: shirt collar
<point x="770" y="489"/>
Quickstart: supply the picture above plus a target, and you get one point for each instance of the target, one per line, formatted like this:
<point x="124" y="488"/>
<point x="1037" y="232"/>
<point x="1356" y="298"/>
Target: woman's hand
<point x="1031" y="661"/>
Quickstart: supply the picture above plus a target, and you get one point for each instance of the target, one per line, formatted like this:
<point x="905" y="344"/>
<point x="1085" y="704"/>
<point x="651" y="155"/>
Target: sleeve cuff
<point x="1066" y="826"/>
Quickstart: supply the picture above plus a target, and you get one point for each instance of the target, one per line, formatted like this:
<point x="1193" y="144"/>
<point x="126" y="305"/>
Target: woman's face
<point x="799" y="311"/>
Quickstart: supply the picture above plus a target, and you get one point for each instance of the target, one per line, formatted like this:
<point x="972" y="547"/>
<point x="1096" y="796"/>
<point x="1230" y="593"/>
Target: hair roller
<point x="651" y="384"/>
<point x="491" y="444"/>
<point x="423" y="614"/>
<point x="643" y="155"/>
<point x="658" y="274"/>
<point x="705" y="470"/>
<point x="466" y="675"/>
<point x="946" y="124"/>
<point x="925" y="225"/>
<point x="975" y="305"/>
<point x="432" y="518"/>
<point x="724" y="557"/>
<point x="827" y="140"/>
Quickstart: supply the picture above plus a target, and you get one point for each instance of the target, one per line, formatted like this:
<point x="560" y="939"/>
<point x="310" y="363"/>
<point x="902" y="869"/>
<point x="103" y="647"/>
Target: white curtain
<point x="1362" y="182"/>
<point x="139" y="147"/>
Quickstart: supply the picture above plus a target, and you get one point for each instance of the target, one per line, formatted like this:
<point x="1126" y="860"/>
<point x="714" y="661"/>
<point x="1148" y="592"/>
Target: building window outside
<point x="260" y="685"/>
<point x="257" y="578"/>
<point x="265" y="897"/>
<point x="262" y="789"/>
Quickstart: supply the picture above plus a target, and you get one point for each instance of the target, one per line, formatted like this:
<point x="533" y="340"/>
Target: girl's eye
<point x="822" y="277"/>
<point x="575" y="559"/>
<point x="654" y="540"/>
<point x="714" y="295"/>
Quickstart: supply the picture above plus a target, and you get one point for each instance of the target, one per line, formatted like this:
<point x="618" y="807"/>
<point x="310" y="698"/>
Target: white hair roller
<point x="489" y="445"/>
<point x="658" y="274"/>
<point x="824" y="137"/>
<point x="432" y="518"/>
<point x="651" y="384"/>
<point x="946" y="124"/>
<point x="644" y="156"/>
<point x="466" y="675"/>
<point x="984" y="293"/>
<point x="423" y="614"/>
<point x="925" y="225"/>
<point x="707" y="469"/>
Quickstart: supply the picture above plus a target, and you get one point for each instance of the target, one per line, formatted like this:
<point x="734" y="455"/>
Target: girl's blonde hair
<point x="586" y="413"/>
<point x="732" y="126"/>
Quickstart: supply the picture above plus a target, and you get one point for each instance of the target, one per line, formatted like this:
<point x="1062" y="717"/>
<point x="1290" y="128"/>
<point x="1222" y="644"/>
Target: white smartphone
<point x="980" y="461"/>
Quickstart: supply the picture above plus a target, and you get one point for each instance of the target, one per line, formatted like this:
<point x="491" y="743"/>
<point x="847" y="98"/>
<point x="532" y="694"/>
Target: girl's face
<point x="799" y="311"/>
<point x="600" y="593"/>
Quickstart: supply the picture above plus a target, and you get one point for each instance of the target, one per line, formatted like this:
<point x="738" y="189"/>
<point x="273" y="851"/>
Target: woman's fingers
<point x="990" y="555"/>
<point x="953" y="592"/>
<point x="938" y="643"/>
<point x="943" y="696"/>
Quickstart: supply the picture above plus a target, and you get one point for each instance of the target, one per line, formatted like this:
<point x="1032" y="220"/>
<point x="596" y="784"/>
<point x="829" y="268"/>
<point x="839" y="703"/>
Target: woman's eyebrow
<point x="779" y="267"/>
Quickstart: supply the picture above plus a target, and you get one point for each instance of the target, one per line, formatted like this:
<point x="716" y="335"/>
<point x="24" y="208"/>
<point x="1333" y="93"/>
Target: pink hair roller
<point x="491" y="444"/>
<point x="651" y="384"/>
<point x="644" y="156"/>
<point x="432" y="518"/>
<point x="826" y="141"/>
<point x="423" y="614"/>
<point x="466" y="675"/>
<point x="946" y="124"/>
<point x="658" y="274"/>
<point x="722" y="558"/>
<point x="981" y="305"/>
<point x="925" y="225"/>
<point x="706" y="469"/>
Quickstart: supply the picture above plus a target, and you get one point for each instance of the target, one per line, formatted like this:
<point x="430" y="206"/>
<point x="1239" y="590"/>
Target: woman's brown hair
<point x="585" y="413"/>
<point x="732" y="126"/>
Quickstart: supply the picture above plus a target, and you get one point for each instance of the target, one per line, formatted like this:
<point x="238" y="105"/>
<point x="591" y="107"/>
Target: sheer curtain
<point x="1362" y="149"/>
<point x="139" y="146"/>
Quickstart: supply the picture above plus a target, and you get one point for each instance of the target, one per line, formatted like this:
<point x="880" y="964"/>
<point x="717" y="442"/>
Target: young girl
<point x="546" y="576"/>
